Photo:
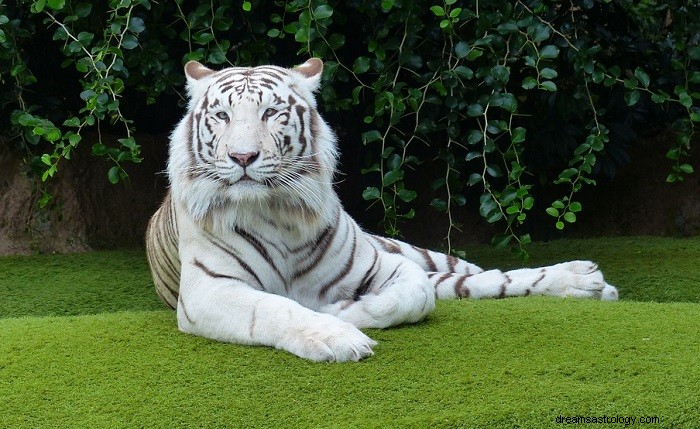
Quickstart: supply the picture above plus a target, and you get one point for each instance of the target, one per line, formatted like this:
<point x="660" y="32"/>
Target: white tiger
<point x="252" y="245"/>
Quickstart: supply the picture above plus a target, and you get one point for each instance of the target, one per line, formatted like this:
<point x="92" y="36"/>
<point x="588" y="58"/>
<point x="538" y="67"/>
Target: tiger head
<point x="252" y="139"/>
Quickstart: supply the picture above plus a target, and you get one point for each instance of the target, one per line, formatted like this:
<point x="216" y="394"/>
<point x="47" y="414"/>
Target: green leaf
<point x="437" y="10"/>
<point x="575" y="207"/>
<point x="459" y="199"/>
<point x="474" y="178"/>
<point x="475" y="110"/>
<point x="494" y="170"/>
<point x="336" y="41"/>
<point x="685" y="99"/>
<point x="439" y="204"/>
<point x="98" y="149"/>
<point x="512" y="210"/>
<point x="72" y="122"/>
<point x="408" y="215"/>
<point x="642" y="76"/>
<point x="407" y="195"/>
<point x="474" y="54"/>
<point x="552" y="212"/>
<point x="387" y="152"/>
<point x="474" y="137"/>
<point x="548" y="85"/>
<point x="464" y="71"/>
<point x="500" y="241"/>
<point x="392" y="177"/>
<point x="371" y="193"/>
<point x="501" y="73"/>
<point x="570" y="217"/>
<point x="360" y="65"/>
<point x="507" y="27"/>
<point x="113" y="174"/>
<point x="136" y="24"/>
<point x="370" y="136"/>
<point x="505" y="100"/>
<point x="549" y="51"/>
<point x="38" y="6"/>
<point x="659" y="98"/>
<point x="56" y="4"/>
<point x="518" y="135"/>
<point x="74" y="139"/>
<point x="631" y="98"/>
<point x="539" y="32"/>
<point x="529" y="82"/>
<point x="129" y="143"/>
<point x="473" y="155"/>
<point x="246" y="6"/>
<point x="559" y="225"/>
<point x="462" y="49"/>
<point x="52" y="134"/>
<point x="130" y="41"/>
<point x="45" y="199"/>
<point x="81" y="10"/>
<point x="694" y="53"/>
<point x="686" y="168"/>
<point x="597" y="75"/>
<point x="494" y="216"/>
<point x="323" y="12"/>
<point x="394" y="161"/>
<point x="548" y="73"/>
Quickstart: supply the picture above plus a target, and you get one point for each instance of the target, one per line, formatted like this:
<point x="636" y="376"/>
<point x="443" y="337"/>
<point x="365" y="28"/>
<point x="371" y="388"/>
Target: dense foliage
<point x="504" y="94"/>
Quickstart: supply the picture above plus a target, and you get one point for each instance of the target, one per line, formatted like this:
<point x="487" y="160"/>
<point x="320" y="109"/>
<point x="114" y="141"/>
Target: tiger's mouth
<point x="246" y="180"/>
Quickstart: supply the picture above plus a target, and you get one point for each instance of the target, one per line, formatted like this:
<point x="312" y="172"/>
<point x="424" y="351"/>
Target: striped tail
<point x="162" y="251"/>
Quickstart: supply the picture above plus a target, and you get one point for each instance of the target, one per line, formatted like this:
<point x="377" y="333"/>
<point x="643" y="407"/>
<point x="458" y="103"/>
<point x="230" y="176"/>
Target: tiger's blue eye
<point x="222" y="115"/>
<point x="270" y="112"/>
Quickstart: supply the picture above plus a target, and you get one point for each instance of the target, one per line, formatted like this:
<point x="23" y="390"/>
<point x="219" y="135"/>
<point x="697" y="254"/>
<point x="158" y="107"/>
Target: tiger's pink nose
<point x="244" y="159"/>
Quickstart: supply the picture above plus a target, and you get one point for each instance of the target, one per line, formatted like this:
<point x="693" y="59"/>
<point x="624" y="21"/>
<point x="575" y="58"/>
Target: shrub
<point x="504" y="94"/>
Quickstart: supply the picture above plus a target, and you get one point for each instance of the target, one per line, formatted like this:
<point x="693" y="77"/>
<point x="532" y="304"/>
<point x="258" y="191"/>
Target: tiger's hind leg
<point x="578" y="279"/>
<point x="455" y="278"/>
<point x="399" y="292"/>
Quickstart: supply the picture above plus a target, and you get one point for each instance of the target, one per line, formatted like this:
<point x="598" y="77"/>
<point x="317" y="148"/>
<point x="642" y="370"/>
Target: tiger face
<point x="253" y="135"/>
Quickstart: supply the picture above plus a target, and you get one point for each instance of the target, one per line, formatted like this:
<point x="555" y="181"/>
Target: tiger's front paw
<point x="327" y="338"/>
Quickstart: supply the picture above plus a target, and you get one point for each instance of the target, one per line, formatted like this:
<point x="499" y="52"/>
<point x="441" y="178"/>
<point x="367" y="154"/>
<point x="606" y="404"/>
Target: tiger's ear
<point x="196" y="71"/>
<point x="311" y="70"/>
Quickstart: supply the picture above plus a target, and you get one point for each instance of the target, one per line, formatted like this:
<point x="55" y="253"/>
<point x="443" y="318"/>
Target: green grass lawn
<point x="84" y="342"/>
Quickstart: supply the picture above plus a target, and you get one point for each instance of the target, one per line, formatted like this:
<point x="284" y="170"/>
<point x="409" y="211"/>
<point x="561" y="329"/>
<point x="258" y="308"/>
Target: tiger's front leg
<point x="224" y="307"/>
<point x="399" y="292"/>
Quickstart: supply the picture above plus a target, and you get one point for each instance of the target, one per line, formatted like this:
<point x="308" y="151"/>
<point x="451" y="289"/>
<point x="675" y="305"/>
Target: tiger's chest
<point x="279" y="258"/>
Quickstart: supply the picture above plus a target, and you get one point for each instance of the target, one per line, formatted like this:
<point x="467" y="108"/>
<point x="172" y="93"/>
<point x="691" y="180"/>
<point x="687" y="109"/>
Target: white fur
<point x="286" y="266"/>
